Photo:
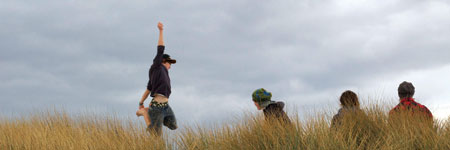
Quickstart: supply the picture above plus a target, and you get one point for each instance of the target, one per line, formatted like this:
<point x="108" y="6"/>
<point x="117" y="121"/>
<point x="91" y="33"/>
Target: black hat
<point x="167" y="58"/>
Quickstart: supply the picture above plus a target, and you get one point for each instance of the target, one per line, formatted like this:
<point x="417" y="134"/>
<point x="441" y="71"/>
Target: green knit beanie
<point x="262" y="97"/>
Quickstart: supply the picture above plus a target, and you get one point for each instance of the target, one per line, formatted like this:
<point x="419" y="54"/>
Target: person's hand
<point x="140" y="112"/>
<point x="141" y="106"/>
<point x="160" y="26"/>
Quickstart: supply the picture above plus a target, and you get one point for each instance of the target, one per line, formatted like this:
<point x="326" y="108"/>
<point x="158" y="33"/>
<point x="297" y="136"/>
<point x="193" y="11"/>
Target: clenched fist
<point x="160" y="26"/>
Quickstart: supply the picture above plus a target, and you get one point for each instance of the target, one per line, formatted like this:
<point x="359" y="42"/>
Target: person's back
<point x="346" y="114"/>
<point x="351" y="123"/>
<point x="275" y="111"/>
<point x="408" y="109"/>
<point x="350" y="110"/>
<point x="411" y="107"/>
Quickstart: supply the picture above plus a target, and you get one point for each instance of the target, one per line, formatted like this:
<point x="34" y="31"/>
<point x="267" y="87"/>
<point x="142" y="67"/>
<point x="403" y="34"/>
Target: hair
<point x="406" y="89"/>
<point x="349" y="99"/>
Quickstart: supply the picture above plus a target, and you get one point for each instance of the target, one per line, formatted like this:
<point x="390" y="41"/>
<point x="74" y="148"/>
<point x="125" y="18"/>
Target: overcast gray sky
<point x="95" y="54"/>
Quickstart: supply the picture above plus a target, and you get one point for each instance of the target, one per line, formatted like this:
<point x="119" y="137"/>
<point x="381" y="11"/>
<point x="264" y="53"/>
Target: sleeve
<point x="428" y="112"/>
<point x="393" y="110"/>
<point x="334" y="121"/>
<point x="391" y="115"/>
<point x="159" y="56"/>
<point x="286" y="118"/>
<point x="149" y="85"/>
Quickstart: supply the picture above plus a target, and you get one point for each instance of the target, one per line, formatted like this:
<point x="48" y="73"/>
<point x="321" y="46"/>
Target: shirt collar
<point x="406" y="99"/>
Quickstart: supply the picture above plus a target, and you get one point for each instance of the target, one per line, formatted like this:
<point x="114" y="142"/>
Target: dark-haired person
<point x="351" y="122"/>
<point x="159" y="112"/>
<point x="273" y="110"/>
<point x="349" y="108"/>
<point x="408" y="108"/>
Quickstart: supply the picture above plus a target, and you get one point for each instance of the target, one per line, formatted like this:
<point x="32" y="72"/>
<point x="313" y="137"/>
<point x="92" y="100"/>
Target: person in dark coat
<point x="349" y="106"/>
<point x="159" y="112"/>
<point x="273" y="110"/>
<point x="351" y="122"/>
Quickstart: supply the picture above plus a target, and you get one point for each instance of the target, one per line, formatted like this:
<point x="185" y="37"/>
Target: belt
<point x="157" y="104"/>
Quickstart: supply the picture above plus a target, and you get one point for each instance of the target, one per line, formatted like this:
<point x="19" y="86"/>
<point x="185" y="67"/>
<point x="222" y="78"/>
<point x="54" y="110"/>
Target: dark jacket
<point x="342" y="112"/>
<point x="159" y="80"/>
<point x="274" y="111"/>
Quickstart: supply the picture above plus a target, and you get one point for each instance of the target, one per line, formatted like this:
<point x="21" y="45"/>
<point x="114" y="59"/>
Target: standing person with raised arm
<point x="159" y="112"/>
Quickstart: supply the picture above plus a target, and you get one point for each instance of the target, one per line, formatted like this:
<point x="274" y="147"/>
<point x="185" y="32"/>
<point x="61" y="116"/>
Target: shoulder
<point x="274" y="106"/>
<point x="397" y="106"/>
<point x="337" y="115"/>
<point x="394" y="109"/>
<point x="400" y="107"/>
<point x="341" y="112"/>
<point x="280" y="104"/>
<point x="277" y="104"/>
<point x="423" y="107"/>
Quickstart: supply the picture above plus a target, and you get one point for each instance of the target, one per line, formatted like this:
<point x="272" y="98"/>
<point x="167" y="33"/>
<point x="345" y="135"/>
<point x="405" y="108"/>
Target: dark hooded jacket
<point x="274" y="111"/>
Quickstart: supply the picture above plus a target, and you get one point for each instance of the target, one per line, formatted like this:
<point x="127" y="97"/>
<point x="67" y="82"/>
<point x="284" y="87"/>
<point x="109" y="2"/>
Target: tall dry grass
<point x="372" y="130"/>
<point x="56" y="130"/>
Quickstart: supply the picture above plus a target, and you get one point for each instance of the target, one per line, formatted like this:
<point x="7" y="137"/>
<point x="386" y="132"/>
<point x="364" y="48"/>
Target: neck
<point x="406" y="98"/>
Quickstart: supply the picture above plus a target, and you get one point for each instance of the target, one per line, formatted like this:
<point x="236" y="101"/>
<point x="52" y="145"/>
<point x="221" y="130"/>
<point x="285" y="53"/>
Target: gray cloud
<point x="84" y="54"/>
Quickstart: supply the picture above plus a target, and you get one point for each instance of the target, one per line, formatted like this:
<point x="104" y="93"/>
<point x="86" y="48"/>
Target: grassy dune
<point x="57" y="130"/>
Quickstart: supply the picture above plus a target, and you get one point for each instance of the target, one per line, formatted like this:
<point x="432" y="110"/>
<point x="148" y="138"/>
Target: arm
<point x="158" y="58"/>
<point x="144" y="97"/>
<point x="428" y="112"/>
<point x="334" y="121"/>
<point x="160" y="40"/>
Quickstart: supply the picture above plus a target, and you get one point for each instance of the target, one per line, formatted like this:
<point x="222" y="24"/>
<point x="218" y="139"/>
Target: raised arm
<point x="158" y="58"/>
<point x="160" y="40"/>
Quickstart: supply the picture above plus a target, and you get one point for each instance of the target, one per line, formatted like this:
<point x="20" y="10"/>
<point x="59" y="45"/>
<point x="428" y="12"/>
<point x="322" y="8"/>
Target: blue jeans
<point x="160" y="115"/>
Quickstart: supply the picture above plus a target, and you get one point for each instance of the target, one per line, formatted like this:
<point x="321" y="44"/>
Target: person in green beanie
<point x="273" y="110"/>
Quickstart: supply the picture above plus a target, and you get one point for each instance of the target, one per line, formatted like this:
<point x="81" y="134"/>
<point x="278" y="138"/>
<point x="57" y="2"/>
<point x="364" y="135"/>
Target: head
<point x="406" y="90"/>
<point x="349" y="99"/>
<point x="167" y="61"/>
<point x="261" y="98"/>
